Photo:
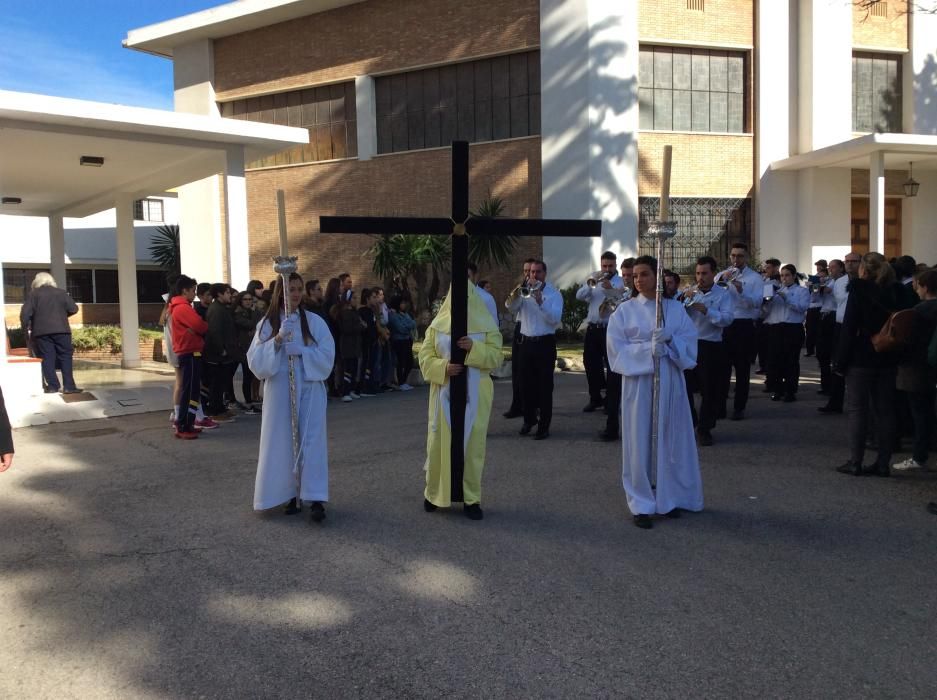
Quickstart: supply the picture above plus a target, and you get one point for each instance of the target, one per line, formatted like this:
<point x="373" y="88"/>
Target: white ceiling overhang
<point x="145" y="151"/>
<point x="898" y="150"/>
<point x="224" y="20"/>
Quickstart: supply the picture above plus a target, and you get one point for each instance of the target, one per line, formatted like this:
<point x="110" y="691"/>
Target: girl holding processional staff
<point x="651" y="341"/>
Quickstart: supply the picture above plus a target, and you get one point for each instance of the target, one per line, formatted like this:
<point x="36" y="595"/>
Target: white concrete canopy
<point x="897" y="150"/>
<point x="145" y="152"/>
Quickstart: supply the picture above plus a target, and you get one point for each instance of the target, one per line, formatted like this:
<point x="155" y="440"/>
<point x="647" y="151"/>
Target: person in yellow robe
<point x="483" y="354"/>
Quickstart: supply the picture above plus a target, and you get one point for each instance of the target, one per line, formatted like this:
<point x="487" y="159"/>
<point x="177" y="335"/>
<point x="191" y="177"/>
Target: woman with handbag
<point x="870" y="375"/>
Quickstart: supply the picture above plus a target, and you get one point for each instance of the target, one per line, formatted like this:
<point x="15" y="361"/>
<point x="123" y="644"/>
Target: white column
<point x="825" y="76"/>
<point x="57" y="249"/>
<point x="366" y="110"/>
<point x="127" y="282"/>
<point x="3" y="326"/>
<point x="235" y="189"/>
<point x="589" y="125"/>
<point x="920" y="83"/>
<point x="877" y="202"/>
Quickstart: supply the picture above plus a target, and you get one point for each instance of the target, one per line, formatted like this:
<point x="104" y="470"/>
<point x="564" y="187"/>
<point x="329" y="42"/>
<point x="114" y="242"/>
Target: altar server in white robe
<point x="633" y="340"/>
<point x="305" y="337"/>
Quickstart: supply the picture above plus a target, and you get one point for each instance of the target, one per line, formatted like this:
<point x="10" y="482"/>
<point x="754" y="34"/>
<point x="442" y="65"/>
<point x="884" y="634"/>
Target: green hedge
<point x="90" y="337"/>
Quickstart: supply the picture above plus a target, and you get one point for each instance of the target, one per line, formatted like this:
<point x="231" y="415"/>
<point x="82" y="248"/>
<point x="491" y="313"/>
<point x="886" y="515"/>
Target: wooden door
<point x="860" y="226"/>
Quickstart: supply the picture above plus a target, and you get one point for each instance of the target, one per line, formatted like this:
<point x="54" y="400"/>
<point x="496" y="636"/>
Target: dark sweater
<point x="915" y="374"/>
<point x="867" y="309"/>
<point x="46" y="311"/>
<point x="221" y="343"/>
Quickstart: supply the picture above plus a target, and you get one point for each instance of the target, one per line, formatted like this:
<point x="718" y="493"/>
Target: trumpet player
<point x="517" y="407"/>
<point x="784" y="320"/>
<point x="539" y="307"/>
<point x="745" y="287"/>
<point x="711" y="309"/>
<point x="598" y="288"/>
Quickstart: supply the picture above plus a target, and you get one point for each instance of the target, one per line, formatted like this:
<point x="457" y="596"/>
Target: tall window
<point x="329" y="113"/>
<point x="876" y="92"/>
<point x="148" y="210"/>
<point x="80" y="285"/>
<point x="486" y="100"/>
<point x="17" y="282"/>
<point x="691" y="89"/>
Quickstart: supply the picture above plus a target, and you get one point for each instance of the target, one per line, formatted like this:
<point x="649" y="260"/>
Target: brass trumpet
<point x="528" y="288"/>
<point x="729" y="276"/>
<point x="597" y="278"/>
<point x="519" y="288"/>
<point x="608" y="306"/>
<point x="687" y="296"/>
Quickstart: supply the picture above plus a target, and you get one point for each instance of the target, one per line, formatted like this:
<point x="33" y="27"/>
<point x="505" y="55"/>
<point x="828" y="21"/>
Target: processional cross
<point x="460" y="226"/>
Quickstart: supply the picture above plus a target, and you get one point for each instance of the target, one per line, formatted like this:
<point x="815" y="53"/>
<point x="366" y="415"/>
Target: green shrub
<point x="574" y="311"/>
<point x="97" y="338"/>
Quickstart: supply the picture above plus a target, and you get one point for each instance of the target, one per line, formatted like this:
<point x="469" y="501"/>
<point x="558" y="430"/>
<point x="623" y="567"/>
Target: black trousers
<point x="825" y="335"/>
<point x="56" y="349"/>
<point x="517" y="404"/>
<point x="538" y="356"/>
<point x="871" y="394"/>
<point x="613" y="403"/>
<point x="403" y="352"/>
<point x="811" y="329"/>
<point x="595" y="359"/>
<point x="783" y="369"/>
<point x="837" y="381"/>
<point x="707" y="380"/>
<point x="739" y="342"/>
<point x="217" y="376"/>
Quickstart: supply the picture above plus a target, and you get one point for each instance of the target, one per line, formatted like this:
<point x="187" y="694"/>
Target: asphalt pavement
<point x="133" y="567"/>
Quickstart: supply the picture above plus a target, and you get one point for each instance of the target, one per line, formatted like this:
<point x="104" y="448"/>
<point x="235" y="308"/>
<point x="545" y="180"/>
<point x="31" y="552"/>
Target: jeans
<point x="52" y="348"/>
<point x="191" y="366"/>
<point x="871" y="390"/>
<point x="922" y="413"/>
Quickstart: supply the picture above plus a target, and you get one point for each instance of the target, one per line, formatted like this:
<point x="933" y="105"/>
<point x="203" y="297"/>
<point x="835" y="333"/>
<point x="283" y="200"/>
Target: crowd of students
<point x="210" y="327"/>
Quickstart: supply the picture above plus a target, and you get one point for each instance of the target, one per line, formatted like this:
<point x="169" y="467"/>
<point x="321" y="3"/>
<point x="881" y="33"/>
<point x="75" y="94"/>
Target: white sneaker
<point x="347" y="399"/>
<point x="405" y="387"/>
<point x="367" y="396"/>
<point x="355" y="395"/>
<point x="909" y="463"/>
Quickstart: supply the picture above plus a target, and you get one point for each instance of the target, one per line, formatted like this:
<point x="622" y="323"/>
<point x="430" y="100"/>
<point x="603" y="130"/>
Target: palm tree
<point x="491" y="251"/>
<point x="164" y="247"/>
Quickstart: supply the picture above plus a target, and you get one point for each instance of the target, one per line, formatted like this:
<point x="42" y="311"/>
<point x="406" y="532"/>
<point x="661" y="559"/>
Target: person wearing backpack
<point x="870" y="375"/>
<point x="916" y="376"/>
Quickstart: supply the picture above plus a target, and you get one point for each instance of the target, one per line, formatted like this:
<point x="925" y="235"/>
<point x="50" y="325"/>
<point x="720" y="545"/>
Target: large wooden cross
<point x="460" y="226"/>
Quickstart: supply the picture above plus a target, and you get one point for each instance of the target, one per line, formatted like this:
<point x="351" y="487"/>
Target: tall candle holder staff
<point x="293" y="352"/>
<point x="651" y="341"/>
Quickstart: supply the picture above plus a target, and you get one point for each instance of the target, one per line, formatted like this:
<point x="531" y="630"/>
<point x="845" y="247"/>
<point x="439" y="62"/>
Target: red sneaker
<point x="206" y="423"/>
<point x="182" y="435"/>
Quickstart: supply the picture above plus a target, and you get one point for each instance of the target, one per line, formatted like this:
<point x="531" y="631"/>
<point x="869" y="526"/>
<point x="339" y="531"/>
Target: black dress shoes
<point x="704" y="437"/>
<point x="50" y="390"/>
<point x="738" y="415"/>
<point x="428" y="507"/>
<point x="473" y="511"/>
<point x="542" y="435"/>
<point x="526" y="428"/>
<point x="607" y="436"/>
<point x="292" y="508"/>
<point x="789" y="398"/>
<point x="591" y="406"/>
<point x="317" y="512"/>
<point x="932" y="508"/>
<point x="72" y="391"/>
<point x="829" y="410"/>
<point x="776" y="396"/>
<point x="512" y="414"/>
<point x="850" y="467"/>
<point x="674" y="514"/>
<point x="643" y="522"/>
<point x="876" y="470"/>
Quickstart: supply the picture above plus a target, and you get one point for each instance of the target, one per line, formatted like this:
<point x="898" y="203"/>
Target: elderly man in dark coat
<point x="45" y="316"/>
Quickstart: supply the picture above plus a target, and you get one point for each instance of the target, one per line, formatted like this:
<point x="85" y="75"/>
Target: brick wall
<point x="91" y="314"/>
<point x="721" y="22"/>
<point x="882" y="32"/>
<point x="416" y="183"/>
<point x="150" y="350"/>
<point x="894" y="179"/>
<point x="370" y="37"/>
<point x="705" y="165"/>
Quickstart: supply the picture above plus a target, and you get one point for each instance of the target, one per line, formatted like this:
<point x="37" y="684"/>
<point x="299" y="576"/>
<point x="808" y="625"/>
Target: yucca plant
<point x="164" y="247"/>
<point x="486" y="250"/>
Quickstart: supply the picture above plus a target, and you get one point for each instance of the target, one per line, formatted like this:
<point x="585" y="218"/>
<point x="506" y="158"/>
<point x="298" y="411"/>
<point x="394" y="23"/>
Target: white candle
<point x="665" y="184"/>
<point x="281" y="214"/>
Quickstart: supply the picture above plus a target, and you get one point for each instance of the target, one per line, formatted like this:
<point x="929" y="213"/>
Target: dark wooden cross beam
<point x="460" y="226"/>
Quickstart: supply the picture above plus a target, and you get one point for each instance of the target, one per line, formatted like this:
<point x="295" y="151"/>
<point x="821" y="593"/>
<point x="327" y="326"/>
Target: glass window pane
<point x="701" y="71"/>
<point x="682" y="110"/>
<point x="700" y="110"/>
<point x="736" y="123"/>
<point x="105" y="282"/>
<point x="682" y="69"/>
<point x="736" y="79"/>
<point x="718" y="72"/>
<point x="663" y="68"/>
<point x="646" y="68"/>
<point x="718" y="111"/>
<point x="663" y="110"/>
<point x="79" y="286"/>
<point x="645" y="108"/>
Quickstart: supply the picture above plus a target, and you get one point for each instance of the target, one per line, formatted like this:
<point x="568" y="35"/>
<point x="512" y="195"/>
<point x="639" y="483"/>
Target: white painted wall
<point x="824" y="215"/>
<point x="589" y="124"/>
<point x="202" y="240"/>
<point x="919" y="220"/>
<point x="825" y="73"/>
<point x="922" y="99"/>
<point x="24" y="240"/>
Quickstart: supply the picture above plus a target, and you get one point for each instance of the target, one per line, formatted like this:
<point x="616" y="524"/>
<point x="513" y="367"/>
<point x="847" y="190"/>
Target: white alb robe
<point x="276" y="481"/>
<point x="678" y="481"/>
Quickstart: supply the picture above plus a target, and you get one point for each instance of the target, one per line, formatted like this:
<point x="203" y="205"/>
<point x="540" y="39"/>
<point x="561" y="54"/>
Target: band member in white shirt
<point x="812" y="324"/>
<point x="827" y="324"/>
<point x="711" y="309"/>
<point x="840" y="296"/>
<point x="600" y="287"/>
<point x="613" y="392"/>
<point x="517" y="408"/>
<point x="540" y="310"/>
<point x="786" y="309"/>
<point x="746" y="288"/>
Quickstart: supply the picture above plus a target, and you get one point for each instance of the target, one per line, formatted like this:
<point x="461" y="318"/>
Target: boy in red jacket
<point x="188" y="341"/>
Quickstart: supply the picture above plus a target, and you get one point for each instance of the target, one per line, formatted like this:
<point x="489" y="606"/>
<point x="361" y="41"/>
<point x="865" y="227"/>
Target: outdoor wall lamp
<point x="11" y="200"/>
<point x="910" y="185"/>
<point x="91" y="161"/>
